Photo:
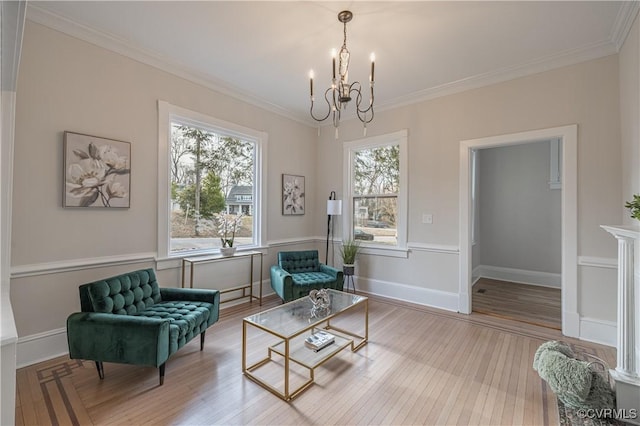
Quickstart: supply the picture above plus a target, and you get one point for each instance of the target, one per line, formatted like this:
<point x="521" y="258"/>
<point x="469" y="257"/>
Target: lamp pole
<point x="332" y="196"/>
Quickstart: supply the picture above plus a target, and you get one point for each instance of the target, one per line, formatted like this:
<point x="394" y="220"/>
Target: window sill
<point x="175" y="260"/>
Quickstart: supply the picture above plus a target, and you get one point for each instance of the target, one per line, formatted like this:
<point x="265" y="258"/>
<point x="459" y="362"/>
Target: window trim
<point x="349" y="148"/>
<point x="166" y="114"/>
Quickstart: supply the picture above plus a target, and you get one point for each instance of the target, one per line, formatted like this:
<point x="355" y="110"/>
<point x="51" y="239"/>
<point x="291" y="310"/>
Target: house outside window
<point x="214" y="170"/>
<point x="375" y="191"/>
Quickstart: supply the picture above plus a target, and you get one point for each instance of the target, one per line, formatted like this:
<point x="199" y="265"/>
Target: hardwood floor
<point x="421" y="366"/>
<point x="521" y="302"/>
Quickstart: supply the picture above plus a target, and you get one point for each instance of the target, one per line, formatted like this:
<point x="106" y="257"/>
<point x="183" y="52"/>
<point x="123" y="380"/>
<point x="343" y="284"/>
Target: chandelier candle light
<point x="341" y="92"/>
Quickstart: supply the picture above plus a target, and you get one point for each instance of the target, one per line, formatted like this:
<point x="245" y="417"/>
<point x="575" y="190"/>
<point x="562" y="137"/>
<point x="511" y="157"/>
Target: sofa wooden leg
<point x="161" y="370"/>
<point x="202" y="340"/>
<point x="100" y="368"/>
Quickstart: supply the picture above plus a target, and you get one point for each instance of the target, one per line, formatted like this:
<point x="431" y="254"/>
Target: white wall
<point x="12" y="16"/>
<point x="630" y="116"/>
<point x="585" y="94"/>
<point x="520" y="216"/>
<point x="69" y="84"/>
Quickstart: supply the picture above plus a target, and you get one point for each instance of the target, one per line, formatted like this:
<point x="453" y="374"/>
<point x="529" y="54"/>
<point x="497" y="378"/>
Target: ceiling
<point x="262" y="51"/>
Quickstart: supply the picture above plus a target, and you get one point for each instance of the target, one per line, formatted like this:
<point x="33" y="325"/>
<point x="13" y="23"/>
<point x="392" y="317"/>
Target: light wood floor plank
<point x="421" y="366"/>
<point x="528" y="303"/>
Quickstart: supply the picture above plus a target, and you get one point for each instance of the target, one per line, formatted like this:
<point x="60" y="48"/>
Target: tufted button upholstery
<point x="299" y="272"/>
<point x="126" y="294"/>
<point x="307" y="278"/>
<point x="138" y="294"/>
<point x="187" y="319"/>
<point x="299" y="261"/>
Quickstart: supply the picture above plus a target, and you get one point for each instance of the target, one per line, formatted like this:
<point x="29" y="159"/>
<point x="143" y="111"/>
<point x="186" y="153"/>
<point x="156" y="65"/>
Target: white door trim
<point x="569" y="137"/>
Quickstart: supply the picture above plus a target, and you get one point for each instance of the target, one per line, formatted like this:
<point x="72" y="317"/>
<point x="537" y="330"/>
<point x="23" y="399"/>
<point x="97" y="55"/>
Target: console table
<point x="193" y="261"/>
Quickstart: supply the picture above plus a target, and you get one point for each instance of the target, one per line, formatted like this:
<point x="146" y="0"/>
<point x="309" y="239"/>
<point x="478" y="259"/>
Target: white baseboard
<point x="53" y="343"/>
<point x="598" y="331"/>
<point x="422" y="296"/>
<point x="522" y="276"/>
<point x="41" y="347"/>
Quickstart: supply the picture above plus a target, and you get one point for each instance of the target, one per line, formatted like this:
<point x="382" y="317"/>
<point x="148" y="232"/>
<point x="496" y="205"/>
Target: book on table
<point x="319" y="340"/>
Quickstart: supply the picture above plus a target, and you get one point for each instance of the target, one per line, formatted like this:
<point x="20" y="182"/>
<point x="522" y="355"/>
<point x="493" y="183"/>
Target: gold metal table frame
<point x="193" y="261"/>
<point x="291" y="344"/>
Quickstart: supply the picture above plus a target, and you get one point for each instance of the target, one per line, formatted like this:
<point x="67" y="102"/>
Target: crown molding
<point x="121" y="46"/>
<point x="562" y="59"/>
<point x="624" y="21"/>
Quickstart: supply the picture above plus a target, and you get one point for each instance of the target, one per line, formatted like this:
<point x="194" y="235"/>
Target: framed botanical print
<point x="292" y="195"/>
<point x="97" y="172"/>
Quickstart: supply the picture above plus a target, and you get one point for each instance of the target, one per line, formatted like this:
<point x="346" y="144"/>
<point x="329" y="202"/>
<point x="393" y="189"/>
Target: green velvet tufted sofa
<point x="299" y="272"/>
<point x="129" y="319"/>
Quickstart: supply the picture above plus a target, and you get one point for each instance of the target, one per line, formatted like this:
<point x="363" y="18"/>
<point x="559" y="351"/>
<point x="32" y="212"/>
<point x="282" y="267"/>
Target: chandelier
<point x="341" y="92"/>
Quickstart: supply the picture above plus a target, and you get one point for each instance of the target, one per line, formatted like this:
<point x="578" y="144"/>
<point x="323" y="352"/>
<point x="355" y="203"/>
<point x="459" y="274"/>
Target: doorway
<point x="569" y="275"/>
<point x="516" y="253"/>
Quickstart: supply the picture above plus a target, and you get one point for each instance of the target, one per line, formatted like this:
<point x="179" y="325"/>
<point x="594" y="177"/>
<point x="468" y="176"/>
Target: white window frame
<point x="167" y="113"/>
<point x="350" y="148"/>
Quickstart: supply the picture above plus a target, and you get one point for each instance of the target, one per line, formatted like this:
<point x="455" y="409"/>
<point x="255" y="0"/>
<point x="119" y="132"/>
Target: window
<point x="375" y="190"/>
<point x="209" y="171"/>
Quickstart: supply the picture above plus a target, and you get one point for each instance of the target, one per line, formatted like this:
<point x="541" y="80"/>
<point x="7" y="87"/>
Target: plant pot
<point x="227" y="251"/>
<point x="348" y="269"/>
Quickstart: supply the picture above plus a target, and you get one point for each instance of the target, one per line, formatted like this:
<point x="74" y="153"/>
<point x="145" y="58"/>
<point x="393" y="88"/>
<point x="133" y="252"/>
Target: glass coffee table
<point x="287" y="327"/>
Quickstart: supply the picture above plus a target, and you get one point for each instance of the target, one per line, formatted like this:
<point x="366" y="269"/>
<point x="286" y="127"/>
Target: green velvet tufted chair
<point x="299" y="272"/>
<point x="129" y="319"/>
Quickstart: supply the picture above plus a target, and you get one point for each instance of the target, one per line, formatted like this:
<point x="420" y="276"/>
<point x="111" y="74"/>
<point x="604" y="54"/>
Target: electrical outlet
<point x="427" y="218"/>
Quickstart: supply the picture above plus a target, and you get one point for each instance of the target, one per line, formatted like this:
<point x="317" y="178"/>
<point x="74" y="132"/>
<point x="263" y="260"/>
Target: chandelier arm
<point x="359" y="97"/>
<point x="326" y="98"/>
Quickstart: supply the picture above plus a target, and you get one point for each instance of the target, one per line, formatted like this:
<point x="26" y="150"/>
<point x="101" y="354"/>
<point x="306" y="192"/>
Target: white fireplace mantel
<point x="627" y="371"/>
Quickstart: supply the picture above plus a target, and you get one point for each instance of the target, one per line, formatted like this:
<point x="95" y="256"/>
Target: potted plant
<point x="228" y="224"/>
<point x="634" y="206"/>
<point x="349" y="251"/>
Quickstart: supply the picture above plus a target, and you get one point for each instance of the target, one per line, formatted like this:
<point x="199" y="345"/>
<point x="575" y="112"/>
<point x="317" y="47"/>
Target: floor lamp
<point x="334" y="208"/>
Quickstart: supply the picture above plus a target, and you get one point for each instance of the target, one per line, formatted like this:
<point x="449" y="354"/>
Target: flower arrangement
<point x="227" y="224"/>
<point x="634" y="206"/>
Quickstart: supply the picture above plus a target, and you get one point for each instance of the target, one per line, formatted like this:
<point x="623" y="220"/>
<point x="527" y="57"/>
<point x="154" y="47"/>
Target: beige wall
<point x="630" y="116"/>
<point x="585" y="94"/>
<point x="68" y="84"/>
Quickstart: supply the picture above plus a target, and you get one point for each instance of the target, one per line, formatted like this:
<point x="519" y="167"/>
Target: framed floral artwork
<point x="292" y="195"/>
<point x="97" y="172"/>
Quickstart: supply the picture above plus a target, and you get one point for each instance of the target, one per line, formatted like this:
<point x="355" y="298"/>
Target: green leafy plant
<point x="634" y="206"/>
<point x="349" y="251"/>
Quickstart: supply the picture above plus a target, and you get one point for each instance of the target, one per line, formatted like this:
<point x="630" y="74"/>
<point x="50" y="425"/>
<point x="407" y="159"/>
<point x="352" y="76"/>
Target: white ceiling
<point x="262" y="51"/>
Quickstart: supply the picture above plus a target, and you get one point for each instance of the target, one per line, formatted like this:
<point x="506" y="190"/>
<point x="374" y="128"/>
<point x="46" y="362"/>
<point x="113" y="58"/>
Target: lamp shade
<point x="334" y="207"/>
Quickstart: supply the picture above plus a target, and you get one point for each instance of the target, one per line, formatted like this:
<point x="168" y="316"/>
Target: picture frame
<point x="97" y="172"/>
<point x="293" y="195"/>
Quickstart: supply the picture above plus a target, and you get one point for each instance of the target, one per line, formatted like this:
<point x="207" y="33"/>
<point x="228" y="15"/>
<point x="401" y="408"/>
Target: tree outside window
<point x="205" y="169"/>
<point x="376" y="181"/>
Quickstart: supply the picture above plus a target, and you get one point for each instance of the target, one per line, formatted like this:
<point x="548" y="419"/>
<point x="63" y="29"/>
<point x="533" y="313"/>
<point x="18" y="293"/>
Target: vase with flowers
<point x="228" y="225"/>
